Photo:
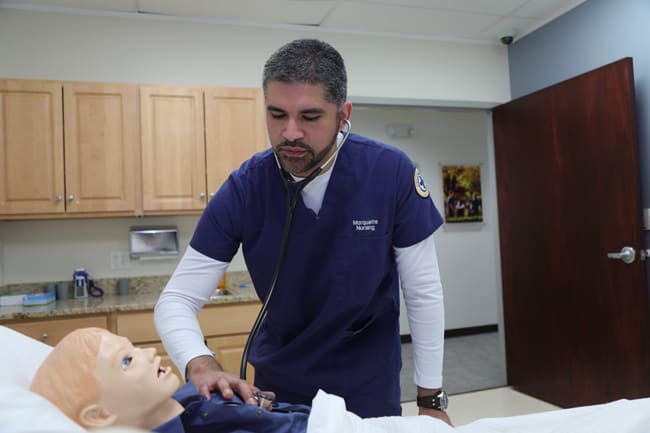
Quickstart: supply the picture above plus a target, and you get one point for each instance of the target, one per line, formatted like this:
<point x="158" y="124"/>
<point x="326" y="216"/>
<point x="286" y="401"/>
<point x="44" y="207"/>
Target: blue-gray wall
<point x="593" y="34"/>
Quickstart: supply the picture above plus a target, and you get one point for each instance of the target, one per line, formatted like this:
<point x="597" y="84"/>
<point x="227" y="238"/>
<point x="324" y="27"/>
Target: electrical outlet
<point x="119" y="260"/>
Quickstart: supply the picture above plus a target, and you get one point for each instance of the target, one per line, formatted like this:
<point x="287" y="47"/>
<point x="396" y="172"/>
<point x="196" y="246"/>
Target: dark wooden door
<point x="567" y="168"/>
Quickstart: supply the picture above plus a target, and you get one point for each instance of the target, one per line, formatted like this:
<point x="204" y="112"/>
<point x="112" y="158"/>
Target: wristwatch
<point x="437" y="401"/>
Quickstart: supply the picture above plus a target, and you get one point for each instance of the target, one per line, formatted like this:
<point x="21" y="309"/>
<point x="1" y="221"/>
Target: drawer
<point x="228" y="319"/>
<point x="214" y="320"/>
<point x="137" y="327"/>
<point x="53" y="330"/>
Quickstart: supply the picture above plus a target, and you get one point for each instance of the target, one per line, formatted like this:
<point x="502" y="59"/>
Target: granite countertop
<point x="143" y="294"/>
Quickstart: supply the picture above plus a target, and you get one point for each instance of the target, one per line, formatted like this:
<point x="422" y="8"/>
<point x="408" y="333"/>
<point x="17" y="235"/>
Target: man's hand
<point x="207" y="375"/>
<point x="440" y="414"/>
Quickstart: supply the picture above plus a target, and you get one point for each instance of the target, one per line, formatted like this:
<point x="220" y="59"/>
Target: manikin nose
<point x="149" y="352"/>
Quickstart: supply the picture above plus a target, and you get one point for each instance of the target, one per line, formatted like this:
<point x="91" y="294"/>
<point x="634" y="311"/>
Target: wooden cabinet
<point x="90" y="168"/>
<point x="192" y="138"/>
<point x="173" y="149"/>
<point x="226" y="330"/>
<point x="31" y="147"/>
<point x="228" y="350"/>
<point x="51" y="331"/>
<point x="224" y="326"/>
<point x="235" y="129"/>
<point x="101" y="147"/>
<point x="140" y="329"/>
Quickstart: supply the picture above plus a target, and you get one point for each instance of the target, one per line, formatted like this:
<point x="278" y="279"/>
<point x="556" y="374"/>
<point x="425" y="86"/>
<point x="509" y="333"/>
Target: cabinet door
<point x="235" y="129"/>
<point x="173" y="149"/>
<point x="31" y="147"/>
<point x="228" y="351"/>
<point x="101" y="147"/>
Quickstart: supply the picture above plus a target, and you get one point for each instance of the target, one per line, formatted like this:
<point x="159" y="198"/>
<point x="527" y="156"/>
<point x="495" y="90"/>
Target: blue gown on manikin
<point x="333" y="320"/>
<point x="232" y="416"/>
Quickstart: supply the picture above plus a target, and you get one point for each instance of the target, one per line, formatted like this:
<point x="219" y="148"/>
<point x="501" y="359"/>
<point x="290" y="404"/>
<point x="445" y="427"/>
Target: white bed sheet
<point x="22" y="411"/>
<point x="623" y="416"/>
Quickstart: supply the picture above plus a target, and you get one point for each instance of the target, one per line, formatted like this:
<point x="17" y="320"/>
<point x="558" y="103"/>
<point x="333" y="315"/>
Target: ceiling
<point x="471" y="21"/>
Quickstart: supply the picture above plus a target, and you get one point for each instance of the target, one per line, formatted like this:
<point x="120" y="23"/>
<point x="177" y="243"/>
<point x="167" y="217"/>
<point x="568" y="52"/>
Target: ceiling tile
<point x="412" y="20"/>
<point x="106" y="5"/>
<point x="490" y="7"/>
<point x="272" y="11"/>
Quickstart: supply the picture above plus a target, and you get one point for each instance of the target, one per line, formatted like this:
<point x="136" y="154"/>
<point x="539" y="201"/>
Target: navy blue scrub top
<point x="333" y="320"/>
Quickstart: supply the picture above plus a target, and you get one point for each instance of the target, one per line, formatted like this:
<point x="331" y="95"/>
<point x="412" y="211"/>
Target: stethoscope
<point x="293" y="188"/>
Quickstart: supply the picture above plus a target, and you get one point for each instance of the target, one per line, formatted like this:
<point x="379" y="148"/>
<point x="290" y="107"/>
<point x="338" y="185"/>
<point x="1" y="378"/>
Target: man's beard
<point x="302" y="166"/>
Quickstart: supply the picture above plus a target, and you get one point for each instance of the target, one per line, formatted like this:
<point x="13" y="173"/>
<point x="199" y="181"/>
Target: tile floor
<point x="490" y="403"/>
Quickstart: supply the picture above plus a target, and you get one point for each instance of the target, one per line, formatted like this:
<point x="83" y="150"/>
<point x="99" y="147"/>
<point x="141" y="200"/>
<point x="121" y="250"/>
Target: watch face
<point x="444" y="401"/>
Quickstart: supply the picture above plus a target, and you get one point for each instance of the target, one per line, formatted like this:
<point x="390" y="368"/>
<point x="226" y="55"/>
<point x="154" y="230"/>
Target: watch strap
<point x="436" y="401"/>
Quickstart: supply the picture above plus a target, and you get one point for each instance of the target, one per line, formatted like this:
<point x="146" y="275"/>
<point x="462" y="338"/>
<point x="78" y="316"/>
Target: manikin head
<point x="99" y="379"/>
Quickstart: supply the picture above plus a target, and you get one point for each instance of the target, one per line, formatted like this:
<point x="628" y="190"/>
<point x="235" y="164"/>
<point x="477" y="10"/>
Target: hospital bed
<point x="22" y="411"/>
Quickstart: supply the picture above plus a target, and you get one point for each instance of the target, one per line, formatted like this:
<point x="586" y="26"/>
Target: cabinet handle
<point x="212" y="194"/>
<point x="71" y="197"/>
<point x="58" y="198"/>
<point x="202" y="195"/>
<point x="44" y="337"/>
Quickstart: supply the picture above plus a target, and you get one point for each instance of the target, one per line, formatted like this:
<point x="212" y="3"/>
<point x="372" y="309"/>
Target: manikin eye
<point x="126" y="362"/>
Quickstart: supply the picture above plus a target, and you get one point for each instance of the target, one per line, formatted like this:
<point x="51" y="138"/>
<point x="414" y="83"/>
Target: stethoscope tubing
<point x="293" y="191"/>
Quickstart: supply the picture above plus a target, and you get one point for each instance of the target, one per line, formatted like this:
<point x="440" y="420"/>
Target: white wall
<point x="114" y="48"/>
<point x="101" y="48"/>
<point x="466" y="252"/>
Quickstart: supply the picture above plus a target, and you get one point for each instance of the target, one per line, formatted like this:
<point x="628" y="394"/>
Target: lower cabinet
<point x="225" y="326"/>
<point x="228" y="350"/>
<point x="52" y="331"/>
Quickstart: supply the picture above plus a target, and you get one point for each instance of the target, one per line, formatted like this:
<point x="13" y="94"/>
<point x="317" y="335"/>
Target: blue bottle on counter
<point x="80" y="280"/>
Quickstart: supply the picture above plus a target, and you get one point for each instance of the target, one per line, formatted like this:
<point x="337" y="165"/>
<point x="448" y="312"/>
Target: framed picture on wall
<point x="461" y="188"/>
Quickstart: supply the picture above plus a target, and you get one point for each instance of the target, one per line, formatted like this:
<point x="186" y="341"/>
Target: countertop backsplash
<point x="137" y="285"/>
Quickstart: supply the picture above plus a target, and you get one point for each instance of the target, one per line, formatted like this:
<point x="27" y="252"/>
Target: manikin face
<point x="302" y="125"/>
<point x="133" y="383"/>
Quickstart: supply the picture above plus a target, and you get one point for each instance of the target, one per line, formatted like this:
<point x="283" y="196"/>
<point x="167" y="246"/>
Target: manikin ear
<point x="96" y="416"/>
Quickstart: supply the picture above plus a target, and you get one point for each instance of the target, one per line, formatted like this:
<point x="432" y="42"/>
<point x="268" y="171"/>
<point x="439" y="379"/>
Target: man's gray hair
<point x="309" y="61"/>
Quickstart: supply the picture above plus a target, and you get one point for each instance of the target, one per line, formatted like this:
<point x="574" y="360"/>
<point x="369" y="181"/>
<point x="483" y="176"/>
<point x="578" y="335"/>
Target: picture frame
<point x="462" y="193"/>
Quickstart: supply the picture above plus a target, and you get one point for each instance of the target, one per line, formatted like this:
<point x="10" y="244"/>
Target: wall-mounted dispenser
<point x="153" y="242"/>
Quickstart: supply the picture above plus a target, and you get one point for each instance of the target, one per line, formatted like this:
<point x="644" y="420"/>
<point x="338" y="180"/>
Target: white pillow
<point x="21" y="358"/>
<point x="23" y="410"/>
<point x="26" y="412"/>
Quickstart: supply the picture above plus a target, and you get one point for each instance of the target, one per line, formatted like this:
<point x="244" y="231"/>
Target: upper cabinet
<point x="192" y="138"/>
<point x="77" y="149"/>
<point x="235" y="129"/>
<point x="101" y="147"/>
<point x="88" y="169"/>
<point x="173" y="149"/>
<point x="31" y="147"/>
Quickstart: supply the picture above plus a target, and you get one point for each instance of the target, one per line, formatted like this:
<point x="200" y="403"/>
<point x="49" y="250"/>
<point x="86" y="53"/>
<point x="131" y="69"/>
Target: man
<point x="364" y="220"/>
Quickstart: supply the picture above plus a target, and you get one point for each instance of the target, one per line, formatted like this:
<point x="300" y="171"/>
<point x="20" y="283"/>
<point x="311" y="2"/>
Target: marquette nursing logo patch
<point x="420" y="186"/>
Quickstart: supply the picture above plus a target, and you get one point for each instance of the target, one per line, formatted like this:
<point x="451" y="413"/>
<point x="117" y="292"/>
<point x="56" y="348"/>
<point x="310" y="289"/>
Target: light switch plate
<point x="119" y="259"/>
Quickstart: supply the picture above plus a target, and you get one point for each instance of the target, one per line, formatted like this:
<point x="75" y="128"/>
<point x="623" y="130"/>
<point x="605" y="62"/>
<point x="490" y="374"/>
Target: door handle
<point x="627" y="255"/>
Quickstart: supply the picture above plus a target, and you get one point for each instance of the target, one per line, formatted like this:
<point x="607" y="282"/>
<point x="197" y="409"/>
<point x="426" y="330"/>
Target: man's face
<point x="302" y="125"/>
<point x="132" y="381"/>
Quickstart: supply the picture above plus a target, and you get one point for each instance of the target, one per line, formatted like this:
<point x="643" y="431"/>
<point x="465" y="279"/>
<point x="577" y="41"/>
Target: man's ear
<point x="96" y="416"/>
